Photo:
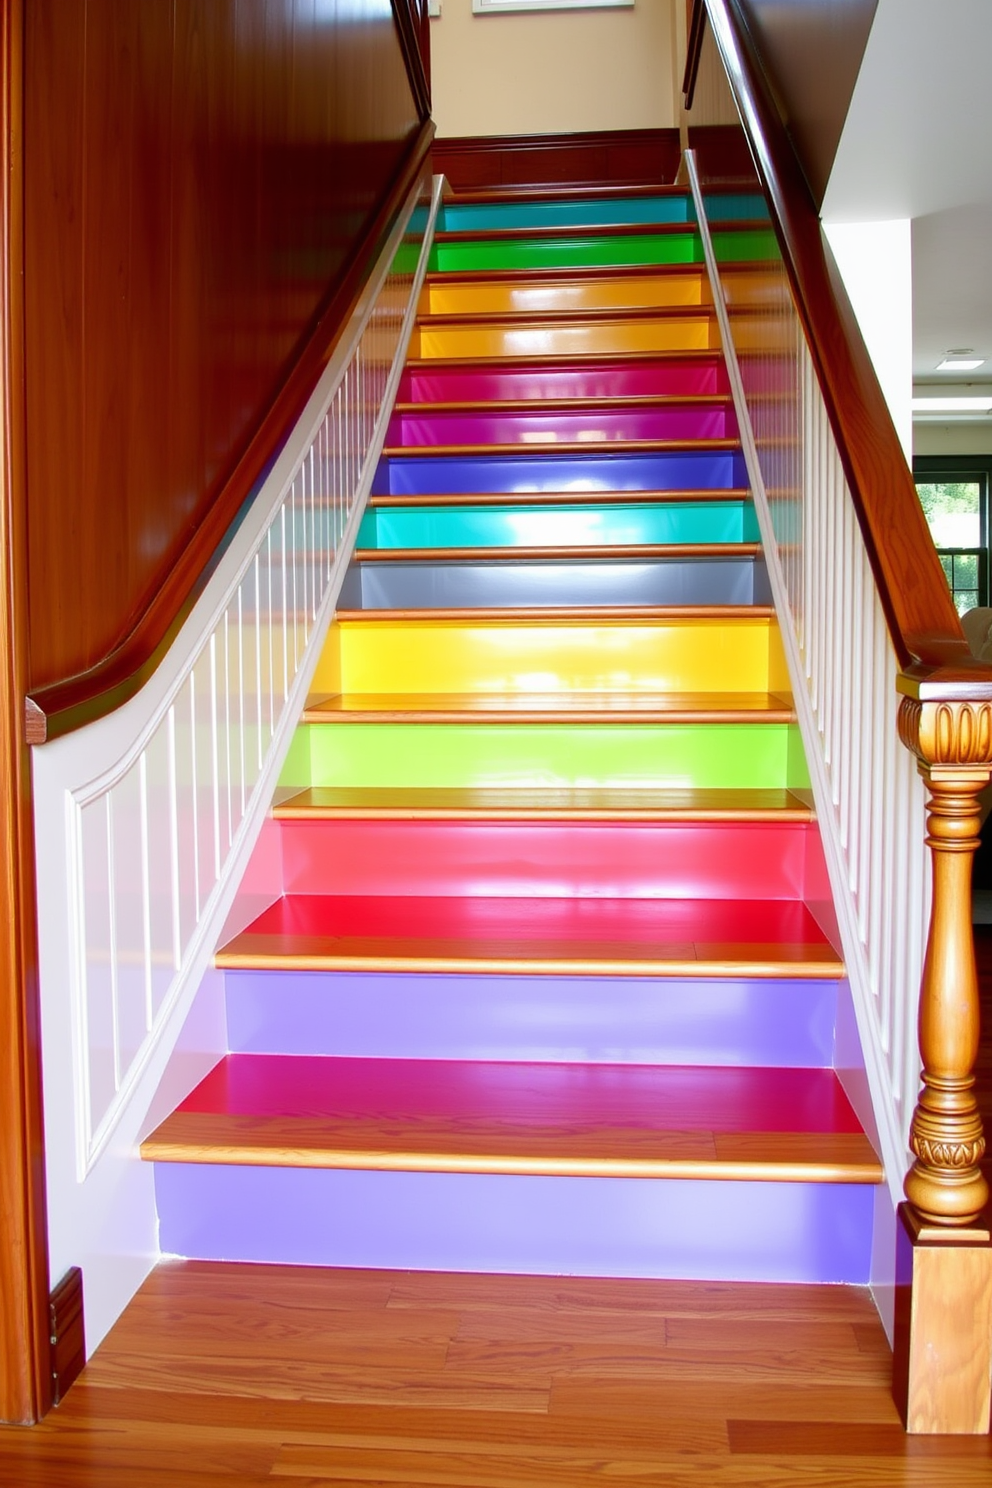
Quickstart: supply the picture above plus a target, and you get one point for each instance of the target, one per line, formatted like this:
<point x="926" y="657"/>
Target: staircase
<point x="544" y="990"/>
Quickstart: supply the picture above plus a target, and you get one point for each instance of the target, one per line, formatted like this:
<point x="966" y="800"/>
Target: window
<point x="954" y="494"/>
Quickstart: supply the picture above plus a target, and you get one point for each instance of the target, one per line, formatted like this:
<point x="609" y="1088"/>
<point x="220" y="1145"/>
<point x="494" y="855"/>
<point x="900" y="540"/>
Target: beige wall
<point x="552" y="72"/>
<point x="952" y="439"/>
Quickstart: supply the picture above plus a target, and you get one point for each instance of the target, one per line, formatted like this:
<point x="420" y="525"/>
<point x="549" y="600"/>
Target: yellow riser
<point x="581" y="338"/>
<point x="500" y="297"/>
<point x="464" y="656"/>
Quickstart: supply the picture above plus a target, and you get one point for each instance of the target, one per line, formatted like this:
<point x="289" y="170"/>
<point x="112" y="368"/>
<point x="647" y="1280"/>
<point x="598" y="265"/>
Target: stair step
<point x="662" y="859"/>
<point x="565" y="337"/>
<point x="590" y="211"/>
<point x="593" y="707"/>
<point x="670" y="374"/>
<point x="726" y="1022"/>
<point x="580" y="937"/>
<point x="677" y="467"/>
<point x="503" y="579"/>
<point x="603" y="248"/>
<point x="527" y="293"/>
<point x="611" y="525"/>
<point x="508" y="661"/>
<point x="508" y="804"/>
<point x="546" y="553"/>
<point x="450" y="1116"/>
<point x="592" y="423"/>
<point x="491" y="753"/>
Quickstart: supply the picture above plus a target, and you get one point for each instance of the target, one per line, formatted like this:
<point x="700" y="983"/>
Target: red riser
<point x="302" y="924"/>
<point x="703" y="860"/>
<point x="644" y="1097"/>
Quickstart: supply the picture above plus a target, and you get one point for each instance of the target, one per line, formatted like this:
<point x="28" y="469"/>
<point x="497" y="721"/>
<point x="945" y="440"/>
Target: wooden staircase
<point x="551" y="985"/>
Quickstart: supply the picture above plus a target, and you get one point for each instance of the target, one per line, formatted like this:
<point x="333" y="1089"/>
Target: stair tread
<point x="554" y="615"/>
<point x="562" y="447"/>
<point x="556" y="707"/>
<point x="563" y="233"/>
<point x="562" y="552"/>
<point x="564" y="405"/>
<point x="559" y="498"/>
<point x="585" y="936"/>
<point x="548" y="803"/>
<point x="592" y="315"/>
<point x="476" y="1116"/>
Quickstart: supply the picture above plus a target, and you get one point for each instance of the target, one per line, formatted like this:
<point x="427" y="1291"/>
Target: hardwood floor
<point x="241" y="1375"/>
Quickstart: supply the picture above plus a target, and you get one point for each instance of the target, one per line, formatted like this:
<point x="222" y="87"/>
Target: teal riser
<point x="590" y="212"/>
<point x="513" y="526"/>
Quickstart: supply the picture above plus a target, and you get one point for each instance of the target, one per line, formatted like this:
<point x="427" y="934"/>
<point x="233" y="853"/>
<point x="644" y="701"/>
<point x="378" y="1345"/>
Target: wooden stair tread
<point x="548" y="803"/>
<point x="565" y="232"/>
<point x="558" y="498"/>
<point x="599" y="315"/>
<point x="565" y="405"/>
<point x="518" y="448"/>
<point x="473" y="1116"/>
<point x="560" y="707"/>
<point x="537" y="935"/>
<point x="554" y="615"/>
<point x="584" y="273"/>
<point x="560" y="552"/>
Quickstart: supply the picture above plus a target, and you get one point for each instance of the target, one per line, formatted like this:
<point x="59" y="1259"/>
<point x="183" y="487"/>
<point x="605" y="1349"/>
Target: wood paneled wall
<point x="811" y="51"/>
<point x="198" y="177"/>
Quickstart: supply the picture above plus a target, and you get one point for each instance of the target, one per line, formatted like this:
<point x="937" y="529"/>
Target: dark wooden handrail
<point x="694" y="50"/>
<point x="413" y="26"/>
<point x="69" y="704"/>
<point x="922" y="620"/>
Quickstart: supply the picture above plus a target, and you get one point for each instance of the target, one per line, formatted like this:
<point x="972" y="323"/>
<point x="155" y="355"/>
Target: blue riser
<point x="677" y="1229"/>
<point x="398" y="475"/>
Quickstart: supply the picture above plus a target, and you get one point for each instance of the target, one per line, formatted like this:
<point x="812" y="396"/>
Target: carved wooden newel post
<point x="944" y="1275"/>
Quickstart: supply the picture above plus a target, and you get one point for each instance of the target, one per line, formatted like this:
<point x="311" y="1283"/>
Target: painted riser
<point x="593" y="212"/>
<point x="671" y="860"/>
<point x="595" y="251"/>
<point x="602" y="379"/>
<point x="581" y="338"/>
<point x="560" y="1226"/>
<point x="401" y="475"/>
<point x="561" y="427"/>
<point x="730" y="1022"/>
<point x="510" y="526"/>
<point x="446" y="294"/>
<point x="510" y="657"/>
<point x="730" y="756"/>
<point x="450" y="585"/>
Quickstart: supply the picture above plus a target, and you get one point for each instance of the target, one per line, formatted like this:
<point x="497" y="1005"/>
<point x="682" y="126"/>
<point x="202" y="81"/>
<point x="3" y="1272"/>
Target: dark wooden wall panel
<point x="622" y="157"/>
<point x="811" y="51"/>
<point x="198" y="176"/>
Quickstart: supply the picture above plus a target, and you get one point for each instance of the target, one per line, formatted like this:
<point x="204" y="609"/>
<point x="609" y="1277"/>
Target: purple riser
<point x="511" y="470"/>
<point x="730" y="1022"/>
<point x="682" y="1230"/>
<point x="599" y="379"/>
<point x="670" y="860"/>
<point x="561" y="428"/>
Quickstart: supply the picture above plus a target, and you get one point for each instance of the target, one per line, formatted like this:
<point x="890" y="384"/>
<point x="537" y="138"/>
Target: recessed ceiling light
<point x="952" y="405"/>
<point x="956" y="362"/>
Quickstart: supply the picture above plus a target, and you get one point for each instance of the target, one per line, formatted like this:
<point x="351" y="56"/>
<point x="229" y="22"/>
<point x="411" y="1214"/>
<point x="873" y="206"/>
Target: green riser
<point x="534" y="526"/>
<point x="737" y="756"/>
<point x="600" y="252"/>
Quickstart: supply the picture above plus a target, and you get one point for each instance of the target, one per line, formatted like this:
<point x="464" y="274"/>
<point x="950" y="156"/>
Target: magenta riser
<point x="452" y="859"/>
<point x="601" y="378"/>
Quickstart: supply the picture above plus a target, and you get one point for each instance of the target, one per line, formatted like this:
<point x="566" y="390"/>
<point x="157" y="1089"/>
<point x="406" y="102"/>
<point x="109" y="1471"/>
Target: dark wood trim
<point x="68" y="1336"/>
<point x="411" y="24"/>
<point x="520" y="162"/>
<point x="922" y="620"/>
<point x="25" y="1361"/>
<point x="67" y="705"/>
<point x="694" y="50"/>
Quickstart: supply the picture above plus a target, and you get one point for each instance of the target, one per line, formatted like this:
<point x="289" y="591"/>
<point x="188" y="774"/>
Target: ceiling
<point x="916" y="144"/>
